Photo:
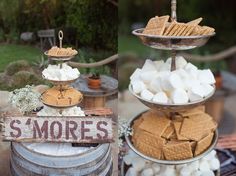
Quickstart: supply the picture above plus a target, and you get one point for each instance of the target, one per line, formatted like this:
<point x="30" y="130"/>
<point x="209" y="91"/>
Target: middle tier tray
<point x="170" y="162"/>
<point x="171" y="107"/>
<point x="172" y="42"/>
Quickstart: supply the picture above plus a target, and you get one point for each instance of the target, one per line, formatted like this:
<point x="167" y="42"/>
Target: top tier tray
<point x="172" y="42"/>
<point x="60" y="58"/>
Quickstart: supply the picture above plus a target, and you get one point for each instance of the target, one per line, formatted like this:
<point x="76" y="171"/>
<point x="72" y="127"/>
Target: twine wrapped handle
<point x="60" y="36"/>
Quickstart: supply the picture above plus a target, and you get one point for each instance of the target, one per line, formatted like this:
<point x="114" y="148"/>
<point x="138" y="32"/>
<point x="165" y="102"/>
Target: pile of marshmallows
<point x="54" y="72"/>
<point x="73" y="111"/>
<point x="155" y="82"/>
<point x="141" y="167"/>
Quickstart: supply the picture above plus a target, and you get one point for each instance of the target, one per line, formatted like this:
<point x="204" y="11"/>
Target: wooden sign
<point x="58" y="129"/>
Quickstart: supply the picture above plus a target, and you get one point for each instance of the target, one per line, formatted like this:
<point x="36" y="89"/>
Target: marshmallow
<point x="136" y="74"/>
<point x="160" y="97"/>
<point x="155" y="85"/>
<point x="196" y="93"/>
<point x="206" y="76"/>
<point x="189" y="83"/>
<point x="208" y="173"/>
<point x="146" y="77"/>
<point x="207" y="89"/>
<point x="147" y="172"/>
<point x="165" y="67"/>
<point x="131" y="172"/>
<point x="158" y="64"/>
<point x="196" y="173"/>
<point x="214" y="164"/>
<point x="147" y="95"/>
<point x="179" y="96"/>
<point x="138" y="164"/>
<point x="167" y="170"/>
<point x="181" y="73"/>
<point x="193" y="166"/>
<point x="156" y="167"/>
<point x="128" y="159"/>
<point x="149" y="65"/>
<point x="185" y="171"/>
<point x="175" y="81"/>
<point x="180" y="62"/>
<point x="138" y="86"/>
<point x="204" y="166"/>
<point x="180" y="166"/>
<point x="189" y="67"/>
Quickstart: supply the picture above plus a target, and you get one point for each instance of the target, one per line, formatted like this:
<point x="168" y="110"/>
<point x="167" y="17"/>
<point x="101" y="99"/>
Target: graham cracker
<point x="203" y="144"/>
<point x="178" y="151"/>
<point x="137" y="122"/>
<point x="194" y="111"/>
<point x="168" y="132"/>
<point x="155" y="125"/>
<point x="183" y="27"/>
<point x="177" y="127"/>
<point x="200" y="117"/>
<point x="148" y="138"/>
<point x="195" y="22"/>
<point x="172" y="24"/>
<point x="156" y="25"/>
<point x="192" y="130"/>
<point x="149" y="150"/>
<point x="173" y="30"/>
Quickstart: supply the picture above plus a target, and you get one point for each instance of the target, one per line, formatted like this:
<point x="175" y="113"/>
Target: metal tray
<point x="60" y="58"/>
<point x="170" y="162"/>
<point x="171" y="107"/>
<point x="172" y="42"/>
<point x="55" y="82"/>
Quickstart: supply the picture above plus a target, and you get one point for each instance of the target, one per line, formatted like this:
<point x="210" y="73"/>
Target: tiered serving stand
<point x="171" y="43"/>
<point x="63" y="85"/>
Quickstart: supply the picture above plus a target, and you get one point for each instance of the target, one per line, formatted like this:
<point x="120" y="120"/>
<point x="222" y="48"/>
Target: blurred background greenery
<point x="90" y="26"/>
<point x="133" y="14"/>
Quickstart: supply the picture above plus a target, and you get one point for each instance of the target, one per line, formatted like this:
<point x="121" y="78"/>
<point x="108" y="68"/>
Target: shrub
<point x="17" y="66"/>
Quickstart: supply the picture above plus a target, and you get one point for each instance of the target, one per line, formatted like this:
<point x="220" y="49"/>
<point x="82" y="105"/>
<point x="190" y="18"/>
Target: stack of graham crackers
<point x="185" y="136"/>
<point x="161" y="27"/>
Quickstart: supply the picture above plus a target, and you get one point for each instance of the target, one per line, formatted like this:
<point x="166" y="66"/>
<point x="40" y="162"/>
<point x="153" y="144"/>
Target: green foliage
<point x="23" y="78"/>
<point x="17" y="66"/>
<point x="95" y="21"/>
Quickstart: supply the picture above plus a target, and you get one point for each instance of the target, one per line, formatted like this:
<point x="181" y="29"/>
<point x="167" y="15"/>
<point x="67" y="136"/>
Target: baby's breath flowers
<point x="123" y="130"/>
<point x="25" y="99"/>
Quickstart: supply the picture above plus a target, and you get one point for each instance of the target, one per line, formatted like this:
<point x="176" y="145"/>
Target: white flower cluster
<point x="25" y="99"/>
<point x="123" y="130"/>
<point x="155" y="82"/>
<point x="141" y="167"/>
<point x="73" y="111"/>
<point x="54" y="72"/>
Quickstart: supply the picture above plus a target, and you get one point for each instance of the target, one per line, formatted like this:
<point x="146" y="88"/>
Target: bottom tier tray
<point x="169" y="162"/>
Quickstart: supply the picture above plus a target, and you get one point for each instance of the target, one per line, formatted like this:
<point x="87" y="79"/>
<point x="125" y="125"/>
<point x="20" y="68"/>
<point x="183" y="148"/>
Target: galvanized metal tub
<point x="95" y="161"/>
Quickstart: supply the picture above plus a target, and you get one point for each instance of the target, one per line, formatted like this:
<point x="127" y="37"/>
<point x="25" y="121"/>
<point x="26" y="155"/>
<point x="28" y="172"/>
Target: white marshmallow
<point x="138" y="164"/>
<point x="155" y="85"/>
<point x="146" y="77"/>
<point x="175" y="81"/>
<point x="179" y="96"/>
<point x="165" y="67"/>
<point x="158" y="64"/>
<point x="196" y="173"/>
<point x="136" y="74"/>
<point x="214" y="164"/>
<point x="180" y="166"/>
<point x="147" y="95"/>
<point x="189" y="67"/>
<point x="204" y="166"/>
<point x="160" y="97"/>
<point x="206" y="76"/>
<point x="182" y="73"/>
<point x="196" y="93"/>
<point x="180" y="62"/>
<point x="128" y="159"/>
<point x="207" y="89"/>
<point x="131" y="172"/>
<point x="147" y="172"/>
<point x="138" y="86"/>
<point x="156" y="167"/>
<point x="185" y="171"/>
<point x="167" y="170"/>
<point x="208" y="173"/>
<point x="194" y="166"/>
<point x="149" y="65"/>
